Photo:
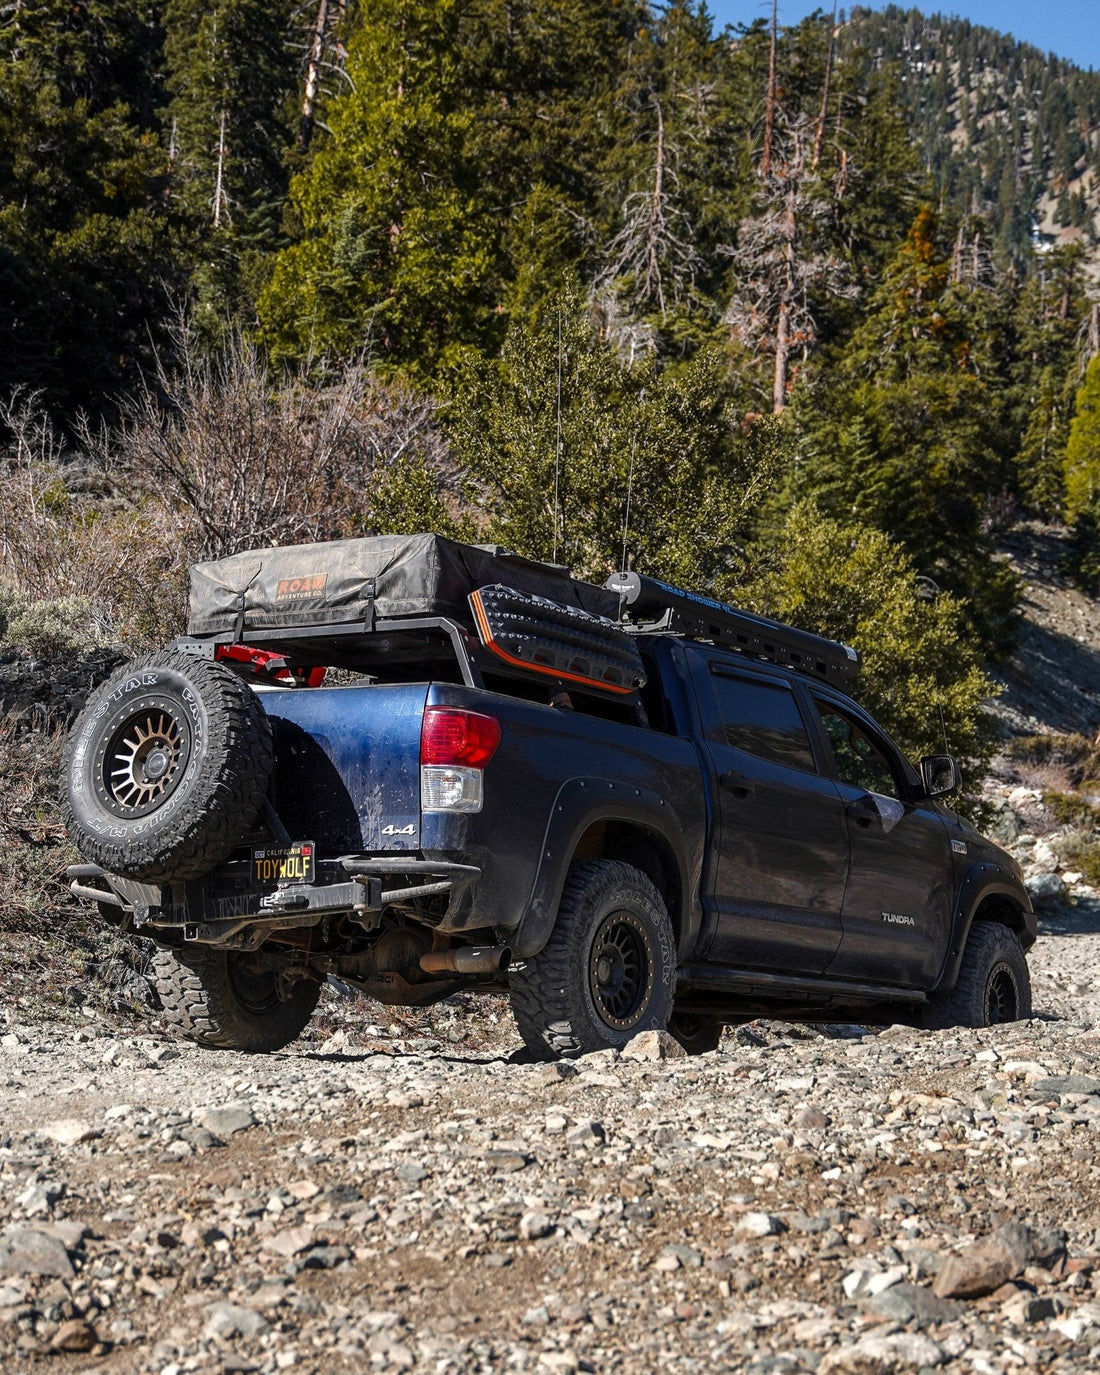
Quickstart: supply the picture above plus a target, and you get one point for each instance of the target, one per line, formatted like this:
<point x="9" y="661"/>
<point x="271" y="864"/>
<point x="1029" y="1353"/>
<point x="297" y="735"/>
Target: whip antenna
<point x="557" y="446"/>
<point x="629" y="493"/>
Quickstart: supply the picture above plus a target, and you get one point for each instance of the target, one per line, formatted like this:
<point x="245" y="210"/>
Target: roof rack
<point x="656" y="606"/>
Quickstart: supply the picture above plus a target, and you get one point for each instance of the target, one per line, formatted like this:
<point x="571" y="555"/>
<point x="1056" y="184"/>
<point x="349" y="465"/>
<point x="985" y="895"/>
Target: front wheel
<point x="608" y="970"/>
<point x="993" y="986"/>
<point x="698" y="1035"/>
<point x="230" y="999"/>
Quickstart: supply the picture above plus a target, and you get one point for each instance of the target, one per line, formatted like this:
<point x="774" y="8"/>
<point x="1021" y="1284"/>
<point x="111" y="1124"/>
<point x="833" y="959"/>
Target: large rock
<point x="899" y="1354"/>
<point x="993" y="1261"/>
<point x="226" y="1121"/>
<point x="27" y="1252"/>
<point x="912" y="1303"/>
<point x="653" y="1045"/>
<point x="1046" y="889"/>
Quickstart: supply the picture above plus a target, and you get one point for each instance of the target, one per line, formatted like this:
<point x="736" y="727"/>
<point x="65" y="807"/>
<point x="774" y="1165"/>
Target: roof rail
<point x="655" y="606"/>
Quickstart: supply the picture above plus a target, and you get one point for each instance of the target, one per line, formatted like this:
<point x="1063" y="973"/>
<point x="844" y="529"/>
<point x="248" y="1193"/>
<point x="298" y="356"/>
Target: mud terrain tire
<point x="608" y="970"/>
<point x="994" y="985"/>
<point x="166" y="768"/>
<point x="224" y="998"/>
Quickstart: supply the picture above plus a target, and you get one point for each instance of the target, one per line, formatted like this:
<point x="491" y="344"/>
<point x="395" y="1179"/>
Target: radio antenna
<point x="629" y="493"/>
<point x="557" y="446"/>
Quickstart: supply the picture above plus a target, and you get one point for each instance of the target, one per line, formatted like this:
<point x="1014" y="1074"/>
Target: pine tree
<point x="907" y="386"/>
<point x="628" y="454"/>
<point x="85" y="248"/>
<point x="402" y="219"/>
<point x="1083" y="448"/>
<point x="395" y="248"/>
<point x="229" y="123"/>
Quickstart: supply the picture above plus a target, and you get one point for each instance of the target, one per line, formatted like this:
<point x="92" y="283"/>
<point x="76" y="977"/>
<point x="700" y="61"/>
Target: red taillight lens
<point x="452" y="736"/>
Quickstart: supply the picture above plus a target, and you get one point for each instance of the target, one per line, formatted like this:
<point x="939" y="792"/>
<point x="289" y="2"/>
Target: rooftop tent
<point x="356" y="582"/>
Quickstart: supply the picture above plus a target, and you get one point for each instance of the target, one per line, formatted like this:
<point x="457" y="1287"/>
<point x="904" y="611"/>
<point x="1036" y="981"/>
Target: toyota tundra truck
<point x="417" y="768"/>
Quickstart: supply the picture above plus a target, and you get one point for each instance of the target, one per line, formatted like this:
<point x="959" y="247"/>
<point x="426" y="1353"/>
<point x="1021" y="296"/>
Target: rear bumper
<point x="200" y="913"/>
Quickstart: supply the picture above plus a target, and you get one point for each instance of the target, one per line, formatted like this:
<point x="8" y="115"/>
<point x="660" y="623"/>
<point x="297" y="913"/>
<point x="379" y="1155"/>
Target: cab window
<point x="761" y="718"/>
<point x="861" y="762"/>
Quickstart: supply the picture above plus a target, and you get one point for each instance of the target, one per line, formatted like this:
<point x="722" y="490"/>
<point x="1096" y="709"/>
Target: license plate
<point x="276" y="865"/>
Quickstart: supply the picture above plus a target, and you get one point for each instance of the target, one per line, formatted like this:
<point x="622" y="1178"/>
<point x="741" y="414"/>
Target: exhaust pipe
<point x="467" y="959"/>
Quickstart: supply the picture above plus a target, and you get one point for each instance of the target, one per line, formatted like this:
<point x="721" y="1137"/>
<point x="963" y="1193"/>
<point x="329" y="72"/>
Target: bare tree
<point x="654" y="249"/>
<point x="770" y="98"/>
<point x="819" y="136"/>
<point x="781" y="257"/>
<point x="239" y="457"/>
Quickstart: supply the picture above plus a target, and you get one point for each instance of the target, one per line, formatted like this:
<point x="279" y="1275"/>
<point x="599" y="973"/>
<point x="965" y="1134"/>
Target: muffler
<point x="467" y="959"/>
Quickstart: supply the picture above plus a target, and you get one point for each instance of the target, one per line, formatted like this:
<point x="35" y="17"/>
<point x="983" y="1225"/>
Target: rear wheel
<point x="230" y="999"/>
<point x="608" y="970"/>
<point x="993" y="986"/>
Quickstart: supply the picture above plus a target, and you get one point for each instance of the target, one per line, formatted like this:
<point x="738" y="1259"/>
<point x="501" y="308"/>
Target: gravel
<point x="826" y="1199"/>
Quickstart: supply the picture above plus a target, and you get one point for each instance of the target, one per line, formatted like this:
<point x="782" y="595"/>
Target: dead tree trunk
<point x="314" y="58"/>
<point x="769" y="104"/>
<point x="786" y="300"/>
<point x="819" y="136"/>
<point x="221" y="200"/>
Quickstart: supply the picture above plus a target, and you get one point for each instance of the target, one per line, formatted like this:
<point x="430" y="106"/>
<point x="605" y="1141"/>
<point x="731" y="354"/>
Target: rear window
<point x="760" y="718"/>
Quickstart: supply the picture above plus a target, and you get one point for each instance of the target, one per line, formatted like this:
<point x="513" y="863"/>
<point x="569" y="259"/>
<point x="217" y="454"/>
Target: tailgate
<point x="347" y="764"/>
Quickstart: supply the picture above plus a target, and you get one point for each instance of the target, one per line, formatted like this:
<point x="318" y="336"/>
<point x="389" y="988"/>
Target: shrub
<point x="921" y="674"/>
<point x="1071" y="809"/>
<point x="1081" y="850"/>
<point x="49" y="628"/>
<point x="1074" y="757"/>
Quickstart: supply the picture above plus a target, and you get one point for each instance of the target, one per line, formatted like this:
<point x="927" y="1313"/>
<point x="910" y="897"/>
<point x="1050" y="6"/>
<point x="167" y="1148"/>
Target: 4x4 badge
<point x="959" y="846"/>
<point x="392" y="830"/>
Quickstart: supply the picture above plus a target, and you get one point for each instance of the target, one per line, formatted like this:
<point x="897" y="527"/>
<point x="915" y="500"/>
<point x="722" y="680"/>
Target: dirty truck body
<point x="628" y="809"/>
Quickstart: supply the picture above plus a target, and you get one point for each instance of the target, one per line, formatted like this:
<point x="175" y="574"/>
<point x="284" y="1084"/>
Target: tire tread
<point x="197" y="1002"/>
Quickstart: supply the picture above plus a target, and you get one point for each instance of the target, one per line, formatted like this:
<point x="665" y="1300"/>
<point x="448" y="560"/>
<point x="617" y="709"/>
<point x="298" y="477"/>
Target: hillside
<point x="1005" y="131"/>
<point x="1052" y="683"/>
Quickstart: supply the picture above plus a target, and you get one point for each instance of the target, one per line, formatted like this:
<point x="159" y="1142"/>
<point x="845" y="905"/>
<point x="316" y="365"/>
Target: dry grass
<point x="1056" y="762"/>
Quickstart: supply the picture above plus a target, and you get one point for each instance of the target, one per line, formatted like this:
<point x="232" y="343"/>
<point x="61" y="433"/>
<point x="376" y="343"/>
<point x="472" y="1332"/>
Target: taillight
<point x="455" y="746"/>
<point x="451" y="735"/>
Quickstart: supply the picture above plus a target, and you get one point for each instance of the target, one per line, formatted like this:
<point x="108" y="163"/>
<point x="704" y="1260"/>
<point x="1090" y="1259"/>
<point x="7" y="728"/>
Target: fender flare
<point x="581" y="803"/>
<point x="981" y="881"/>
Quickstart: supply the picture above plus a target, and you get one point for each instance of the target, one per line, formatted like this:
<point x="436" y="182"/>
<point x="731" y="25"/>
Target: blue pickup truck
<point x="416" y="767"/>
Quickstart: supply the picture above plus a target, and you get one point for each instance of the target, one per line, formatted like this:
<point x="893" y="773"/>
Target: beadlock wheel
<point x="145" y="759"/>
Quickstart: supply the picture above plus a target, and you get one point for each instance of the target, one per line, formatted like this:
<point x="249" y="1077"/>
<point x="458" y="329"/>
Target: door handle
<point x="863" y="813"/>
<point x="733" y="781"/>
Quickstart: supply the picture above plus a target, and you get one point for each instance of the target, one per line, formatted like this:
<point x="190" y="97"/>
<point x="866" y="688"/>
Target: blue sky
<point x="1070" y="28"/>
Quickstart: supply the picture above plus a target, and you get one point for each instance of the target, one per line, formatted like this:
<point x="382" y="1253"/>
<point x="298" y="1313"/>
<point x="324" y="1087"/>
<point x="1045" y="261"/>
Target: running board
<point x="752" y="981"/>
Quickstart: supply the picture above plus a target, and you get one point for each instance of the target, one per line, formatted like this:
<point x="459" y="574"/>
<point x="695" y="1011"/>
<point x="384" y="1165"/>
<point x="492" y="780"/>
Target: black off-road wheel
<point x="608" y="970"/>
<point x="698" y="1035"/>
<point x="994" y="985"/>
<point x="166" y="768"/>
<point x="230" y="999"/>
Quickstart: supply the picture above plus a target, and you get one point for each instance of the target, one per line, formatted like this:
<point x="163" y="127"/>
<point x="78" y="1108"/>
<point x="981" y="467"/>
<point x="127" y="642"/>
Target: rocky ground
<point x="827" y="1199"/>
<point x="403" y="1192"/>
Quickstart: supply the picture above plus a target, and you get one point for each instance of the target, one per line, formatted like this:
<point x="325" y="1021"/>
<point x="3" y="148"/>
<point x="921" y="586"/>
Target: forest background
<point x="801" y="316"/>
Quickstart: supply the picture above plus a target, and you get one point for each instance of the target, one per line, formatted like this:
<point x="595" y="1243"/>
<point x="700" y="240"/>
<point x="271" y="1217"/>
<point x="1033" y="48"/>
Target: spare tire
<point x="166" y="768"/>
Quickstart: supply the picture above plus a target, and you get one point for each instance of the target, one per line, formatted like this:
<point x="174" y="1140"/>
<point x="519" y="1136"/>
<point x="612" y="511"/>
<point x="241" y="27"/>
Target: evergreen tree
<point x="630" y="454"/>
<point x="401" y="219"/>
<point x="1083" y="448"/>
<point x="228" y="124"/>
<point x="85" y="249"/>
<point x="900" y="435"/>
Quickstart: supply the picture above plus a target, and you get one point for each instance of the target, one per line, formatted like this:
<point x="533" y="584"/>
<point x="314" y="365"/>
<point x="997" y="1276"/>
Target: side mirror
<point x="939" y="774"/>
